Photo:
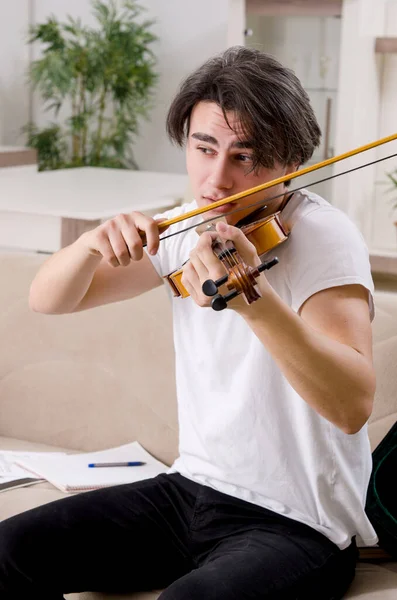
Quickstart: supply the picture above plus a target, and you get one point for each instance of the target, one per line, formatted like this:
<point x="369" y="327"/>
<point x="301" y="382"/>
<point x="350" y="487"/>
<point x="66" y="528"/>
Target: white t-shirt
<point x="243" y="429"/>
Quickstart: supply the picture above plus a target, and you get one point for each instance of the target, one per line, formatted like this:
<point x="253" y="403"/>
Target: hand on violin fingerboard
<point x="204" y="264"/>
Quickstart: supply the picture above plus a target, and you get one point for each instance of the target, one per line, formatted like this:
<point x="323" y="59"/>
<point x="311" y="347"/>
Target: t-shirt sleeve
<point x="325" y="250"/>
<point x="158" y="259"/>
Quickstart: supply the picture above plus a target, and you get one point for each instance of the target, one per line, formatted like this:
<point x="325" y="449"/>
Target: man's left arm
<point x="325" y="352"/>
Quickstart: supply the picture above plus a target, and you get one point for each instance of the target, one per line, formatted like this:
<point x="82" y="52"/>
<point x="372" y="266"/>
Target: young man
<point x="266" y="497"/>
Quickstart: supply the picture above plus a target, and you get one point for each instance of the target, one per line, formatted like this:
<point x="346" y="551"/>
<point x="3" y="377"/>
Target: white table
<point x="48" y="210"/>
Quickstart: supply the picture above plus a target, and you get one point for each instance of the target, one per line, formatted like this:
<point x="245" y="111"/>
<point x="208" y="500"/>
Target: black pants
<point x="167" y="533"/>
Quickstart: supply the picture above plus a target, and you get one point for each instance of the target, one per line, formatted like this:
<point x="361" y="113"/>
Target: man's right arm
<point x="107" y="264"/>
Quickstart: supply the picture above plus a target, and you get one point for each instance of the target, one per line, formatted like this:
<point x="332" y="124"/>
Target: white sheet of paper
<point x="9" y="471"/>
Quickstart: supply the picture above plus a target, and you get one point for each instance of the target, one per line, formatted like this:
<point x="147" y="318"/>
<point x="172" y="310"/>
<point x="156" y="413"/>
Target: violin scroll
<point x="219" y="302"/>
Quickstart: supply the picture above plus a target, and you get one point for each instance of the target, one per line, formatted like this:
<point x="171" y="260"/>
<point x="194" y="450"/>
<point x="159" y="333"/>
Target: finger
<point x="131" y="237"/>
<point x="191" y="281"/>
<point x="133" y="242"/>
<point x="206" y="240"/>
<point x="199" y="267"/>
<point x="204" y="254"/>
<point x="150" y="228"/>
<point x="161" y="225"/>
<point x="119" y="246"/>
<point x="106" y="250"/>
<point x="131" y="225"/>
<point x="244" y="247"/>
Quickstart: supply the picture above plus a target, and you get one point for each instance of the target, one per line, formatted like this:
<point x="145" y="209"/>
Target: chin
<point x="214" y="214"/>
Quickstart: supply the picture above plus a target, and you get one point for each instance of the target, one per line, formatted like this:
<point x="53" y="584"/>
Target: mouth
<point x="221" y="210"/>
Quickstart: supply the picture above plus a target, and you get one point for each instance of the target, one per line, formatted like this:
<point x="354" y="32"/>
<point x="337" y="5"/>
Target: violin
<point x="265" y="234"/>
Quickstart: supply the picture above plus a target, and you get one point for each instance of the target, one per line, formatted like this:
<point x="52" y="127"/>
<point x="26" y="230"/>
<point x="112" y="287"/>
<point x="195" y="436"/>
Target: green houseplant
<point x="102" y="78"/>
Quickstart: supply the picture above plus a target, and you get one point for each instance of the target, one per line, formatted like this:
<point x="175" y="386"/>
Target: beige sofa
<point x="105" y="377"/>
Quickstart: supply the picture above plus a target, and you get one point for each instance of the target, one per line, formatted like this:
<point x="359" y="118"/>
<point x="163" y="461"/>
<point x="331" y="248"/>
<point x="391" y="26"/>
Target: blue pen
<point x="117" y="464"/>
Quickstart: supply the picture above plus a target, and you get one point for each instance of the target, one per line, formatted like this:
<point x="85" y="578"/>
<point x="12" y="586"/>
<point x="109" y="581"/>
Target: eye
<point x="244" y="157"/>
<point x="205" y="150"/>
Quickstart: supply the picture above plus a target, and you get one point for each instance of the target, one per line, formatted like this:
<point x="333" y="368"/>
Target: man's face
<point x="219" y="164"/>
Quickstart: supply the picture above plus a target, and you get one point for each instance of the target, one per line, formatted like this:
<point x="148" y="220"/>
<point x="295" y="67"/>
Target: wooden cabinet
<point x="386" y="45"/>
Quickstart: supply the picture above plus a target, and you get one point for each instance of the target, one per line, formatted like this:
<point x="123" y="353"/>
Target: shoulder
<point x="316" y="224"/>
<point x="325" y="249"/>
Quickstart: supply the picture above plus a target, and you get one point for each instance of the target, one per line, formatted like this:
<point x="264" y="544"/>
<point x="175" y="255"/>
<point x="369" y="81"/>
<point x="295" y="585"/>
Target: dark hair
<point x="272" y="106"/>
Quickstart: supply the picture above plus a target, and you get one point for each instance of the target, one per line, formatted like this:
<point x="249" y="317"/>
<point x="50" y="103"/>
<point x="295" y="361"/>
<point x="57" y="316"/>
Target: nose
<point x="221" y="176"/>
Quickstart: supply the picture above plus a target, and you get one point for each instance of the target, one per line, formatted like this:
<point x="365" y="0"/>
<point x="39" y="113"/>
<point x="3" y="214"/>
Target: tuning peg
<point x="219" y="302"/>
<point x="267" y="265"/>
<point x="210" y="287"/>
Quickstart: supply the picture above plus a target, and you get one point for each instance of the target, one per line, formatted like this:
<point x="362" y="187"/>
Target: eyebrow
<point x="209" y="139"/>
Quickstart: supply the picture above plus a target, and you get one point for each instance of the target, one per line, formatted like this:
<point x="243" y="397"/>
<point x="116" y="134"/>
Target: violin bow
<point x="264" y="186"/>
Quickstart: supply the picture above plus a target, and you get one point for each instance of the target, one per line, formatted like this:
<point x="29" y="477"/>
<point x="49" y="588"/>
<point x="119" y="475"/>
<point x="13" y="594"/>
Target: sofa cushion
<point x="384" y="413"/>
<point x="89" y="380"/>
<point x="384" y="324"/>
<point x="374" y="582"/>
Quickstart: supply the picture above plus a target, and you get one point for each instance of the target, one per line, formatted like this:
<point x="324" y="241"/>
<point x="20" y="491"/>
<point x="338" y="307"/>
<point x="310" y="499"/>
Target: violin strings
<point x="261" y="203"/>
<point x="232" y="259"/>
<point x="228" y="257"/>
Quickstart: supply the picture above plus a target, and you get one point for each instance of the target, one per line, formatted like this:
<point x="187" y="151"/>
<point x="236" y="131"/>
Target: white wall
<point x="14" y="59"/>
<point x="382" y="230"/>
<point x="366" y="112"/>
<point x="189" y="32"/>
<point x="310" y="46"/>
